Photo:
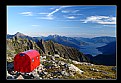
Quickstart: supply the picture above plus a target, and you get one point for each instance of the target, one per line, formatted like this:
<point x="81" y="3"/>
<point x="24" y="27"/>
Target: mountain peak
<point x="19" y="34"/>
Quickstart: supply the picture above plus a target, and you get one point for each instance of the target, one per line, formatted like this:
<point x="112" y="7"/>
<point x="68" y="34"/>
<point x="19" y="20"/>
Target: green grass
<point x="100" y="74"/>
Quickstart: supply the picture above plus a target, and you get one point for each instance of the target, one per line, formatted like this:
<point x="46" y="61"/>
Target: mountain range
<point x="96" y="47"/>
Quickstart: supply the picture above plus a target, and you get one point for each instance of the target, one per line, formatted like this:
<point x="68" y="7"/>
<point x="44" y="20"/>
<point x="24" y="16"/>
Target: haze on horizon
<point x="65" y="20"/>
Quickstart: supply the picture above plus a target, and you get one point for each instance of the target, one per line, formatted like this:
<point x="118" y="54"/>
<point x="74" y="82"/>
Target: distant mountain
<point x="23" y="36"/>
<point x="64" y="45"/>
<point x="9" y="36"/>
<point x="18" y="34"/>
<point x="103" y="39"/>
<point x="83" y="39"/>
<point x="85" y="45"/>
<point x="67" y="41"/>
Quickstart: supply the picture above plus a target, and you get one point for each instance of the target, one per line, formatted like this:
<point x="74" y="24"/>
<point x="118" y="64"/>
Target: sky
<point x="65" y="20"/>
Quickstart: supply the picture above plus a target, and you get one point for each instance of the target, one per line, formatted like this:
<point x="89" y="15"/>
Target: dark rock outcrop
<point x="64" y="51"/>
<point x="16" y="45"/>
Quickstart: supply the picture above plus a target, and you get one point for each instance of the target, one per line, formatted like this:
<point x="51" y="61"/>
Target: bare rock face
<point x="64" y="51"/>
<point x="15" y="46"/>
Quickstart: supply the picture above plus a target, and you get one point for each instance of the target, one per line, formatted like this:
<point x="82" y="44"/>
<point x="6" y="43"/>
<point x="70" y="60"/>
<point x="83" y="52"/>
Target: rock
<point x="114" y="68"/>
<point x="20" y="77"/>
<point x="35" y="74"/>
<point x="55" y="78"/>
<point x="96" y="70"/>
<point x="53" y="58"/>
<point x="10" y="66"/>
<point x="56" y="56"/>
<point x="71" y="74"/>
<point x="64" y="73"/>
<point x="10" y="77"/>
<point x="76" y="62"/>
<point x="66" y="65"/>
<point x="45" y="73"/>
<point x="41" y="74"/>
<point x="13" y="72"/>
<point x="44" y="57"/>
<point x="61" y="63"/>
<point x="74" y="68"/>
<point x="36" y="77"/>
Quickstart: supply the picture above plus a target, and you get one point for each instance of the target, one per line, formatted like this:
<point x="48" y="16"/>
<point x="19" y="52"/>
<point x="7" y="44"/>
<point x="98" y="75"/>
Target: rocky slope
<point x="58" y="68"/>
<point x="57" y="62"/>
<point x="49" y="47"/>
<point x="16" y="45"/>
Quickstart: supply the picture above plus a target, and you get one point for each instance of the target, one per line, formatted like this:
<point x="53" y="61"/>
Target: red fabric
<point x="25" y="63"/>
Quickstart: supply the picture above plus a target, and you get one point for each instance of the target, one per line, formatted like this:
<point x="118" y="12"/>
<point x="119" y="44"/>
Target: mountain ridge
<point x="85" y="44"/>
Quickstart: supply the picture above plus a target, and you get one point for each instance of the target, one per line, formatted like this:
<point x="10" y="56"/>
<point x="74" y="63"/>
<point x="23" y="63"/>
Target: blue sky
<point x="64" y="20"/>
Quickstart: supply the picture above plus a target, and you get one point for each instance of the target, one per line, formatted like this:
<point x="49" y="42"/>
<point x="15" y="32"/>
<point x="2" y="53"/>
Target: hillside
<point x="59" y="68"/>
<point x="57" y="62"/>
<point x="108" y="49"/>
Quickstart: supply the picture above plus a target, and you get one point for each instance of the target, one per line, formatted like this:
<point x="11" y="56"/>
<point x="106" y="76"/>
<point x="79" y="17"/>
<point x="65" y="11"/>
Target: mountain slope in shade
<point x="101" y="59"/>
<point x="108" y="49"/>
<point x="105" y="59"/>
<point x="108" y="57"/>
<point x="109" y="54"/>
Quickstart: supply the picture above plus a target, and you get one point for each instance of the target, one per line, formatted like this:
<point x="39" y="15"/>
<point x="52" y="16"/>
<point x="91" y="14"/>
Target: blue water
<point x="91" y="49"/>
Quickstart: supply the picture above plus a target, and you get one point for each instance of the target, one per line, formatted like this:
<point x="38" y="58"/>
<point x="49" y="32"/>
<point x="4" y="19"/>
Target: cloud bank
<point x="100" y="20"/>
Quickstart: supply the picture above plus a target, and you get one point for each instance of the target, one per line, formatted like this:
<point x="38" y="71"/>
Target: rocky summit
<point x="57" y="62"/>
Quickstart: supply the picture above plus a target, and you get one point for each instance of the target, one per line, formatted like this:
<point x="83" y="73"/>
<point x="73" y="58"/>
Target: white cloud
<point x="70" y="17"/>
<point x="65" y="11"/>
<point x="69" y="20"/>
<point x="50" y="16"/>
<point x="46" y="17"/>
<point x="100" y="20"/>
<point x="26" y="13"/>
<point x="69" y="11"/>
<point x="43" y="13"/>
<point x="75" y="11"/>
<point x="65" y="6"/>
<point x="52" y="8"/>
<point x="76" y="14"/>
<point x="56" y="10"/>
<point x="111" y="26"/>
<point x="68" y="27"/>
<point x="35" y="25"/>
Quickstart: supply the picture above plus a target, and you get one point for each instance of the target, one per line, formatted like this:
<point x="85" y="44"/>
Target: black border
<point x="3" y="14"/>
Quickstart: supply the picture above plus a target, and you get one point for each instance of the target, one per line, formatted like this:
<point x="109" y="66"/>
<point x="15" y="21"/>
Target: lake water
<point x="91" y="49"/>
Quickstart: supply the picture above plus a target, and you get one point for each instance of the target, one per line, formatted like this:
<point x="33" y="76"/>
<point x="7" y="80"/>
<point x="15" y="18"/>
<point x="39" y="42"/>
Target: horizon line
<point x="59" y="35"/>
